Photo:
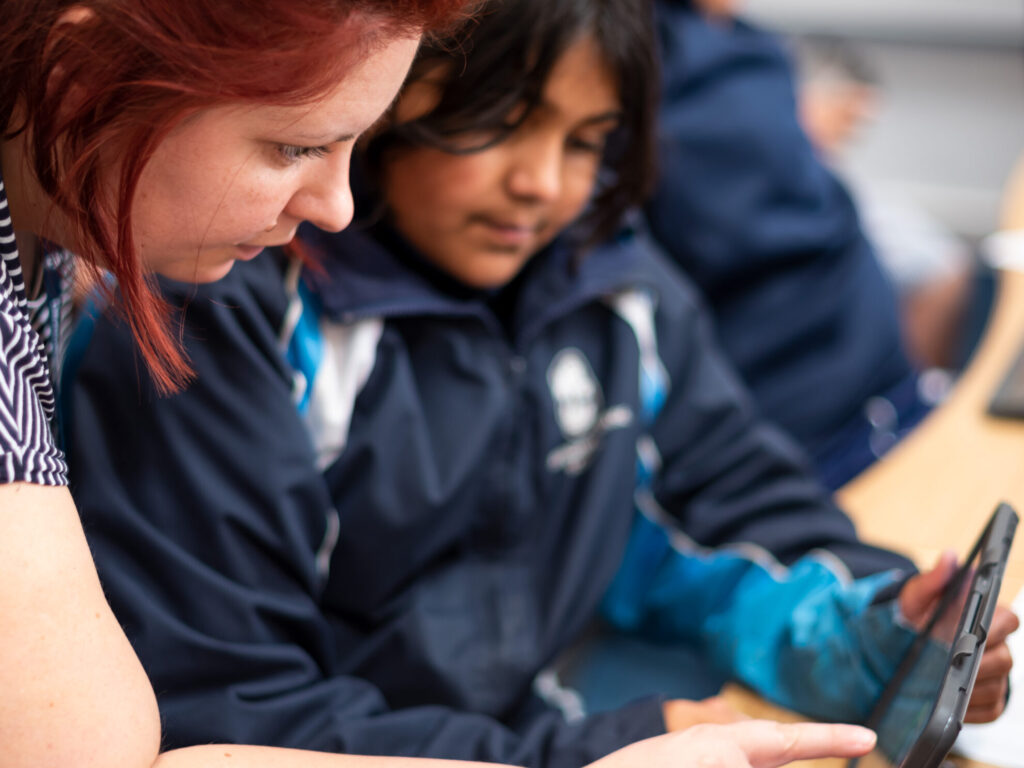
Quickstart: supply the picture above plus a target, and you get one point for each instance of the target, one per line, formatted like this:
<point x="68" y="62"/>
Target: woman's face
<point x="230" y="181"/>
<point x="481" y="216"/>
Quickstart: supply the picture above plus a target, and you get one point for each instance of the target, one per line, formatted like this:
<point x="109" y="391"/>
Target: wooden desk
<point x="1013" y="198"/>
<point x="936" y="489"/>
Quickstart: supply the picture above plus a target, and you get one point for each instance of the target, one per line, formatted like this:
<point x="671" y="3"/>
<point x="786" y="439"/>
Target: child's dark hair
<point x="493" y="74"/>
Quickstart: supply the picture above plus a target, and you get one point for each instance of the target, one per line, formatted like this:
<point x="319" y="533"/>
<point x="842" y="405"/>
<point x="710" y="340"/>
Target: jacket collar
<point x="374" y="273"/>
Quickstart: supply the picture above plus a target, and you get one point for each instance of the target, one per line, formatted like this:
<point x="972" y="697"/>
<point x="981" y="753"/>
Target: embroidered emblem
<point x="579" y="412"/>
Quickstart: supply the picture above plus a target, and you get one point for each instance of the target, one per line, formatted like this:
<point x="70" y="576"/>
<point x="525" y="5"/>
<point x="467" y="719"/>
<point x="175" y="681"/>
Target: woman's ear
<point x="72" y="94"/>
<point x="55" y="78"/>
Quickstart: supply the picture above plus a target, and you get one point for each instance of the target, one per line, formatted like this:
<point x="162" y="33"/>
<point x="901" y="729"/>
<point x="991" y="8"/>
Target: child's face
<point x="481" y="216"/>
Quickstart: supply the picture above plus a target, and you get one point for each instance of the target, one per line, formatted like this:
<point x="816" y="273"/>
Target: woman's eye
<point x="292" y="152"/>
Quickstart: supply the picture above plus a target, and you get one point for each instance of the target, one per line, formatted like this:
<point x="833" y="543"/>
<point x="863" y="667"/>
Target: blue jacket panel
<point x="767" y="232"/>
<point x="386" y="521"/>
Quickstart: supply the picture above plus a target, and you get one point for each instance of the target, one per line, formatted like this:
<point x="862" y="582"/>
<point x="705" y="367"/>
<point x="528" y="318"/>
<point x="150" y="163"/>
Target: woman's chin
<point x="214" y="273"/>
<point x="198" y="273"/>
<point x="208" y="266"/>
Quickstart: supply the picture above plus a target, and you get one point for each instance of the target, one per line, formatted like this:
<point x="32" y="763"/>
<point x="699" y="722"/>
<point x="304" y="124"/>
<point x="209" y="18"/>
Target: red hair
<point x="136" y="69"/>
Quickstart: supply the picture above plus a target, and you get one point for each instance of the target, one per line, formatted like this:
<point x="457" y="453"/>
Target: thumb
<point x="922" y="591"/>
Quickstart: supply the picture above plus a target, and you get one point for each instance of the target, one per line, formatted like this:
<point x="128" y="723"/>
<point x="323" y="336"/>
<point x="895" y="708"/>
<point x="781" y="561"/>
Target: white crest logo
<point x="576" y="393"/>
<point x="579" y="404"/>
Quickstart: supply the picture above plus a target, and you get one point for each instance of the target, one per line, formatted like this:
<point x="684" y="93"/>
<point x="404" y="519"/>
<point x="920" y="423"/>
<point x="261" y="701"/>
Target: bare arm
<point x="74" y="692"/>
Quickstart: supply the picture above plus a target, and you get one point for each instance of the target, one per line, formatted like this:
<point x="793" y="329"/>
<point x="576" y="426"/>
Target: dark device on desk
<point x="922" y="736"/>
<point x="1008" y="400"/>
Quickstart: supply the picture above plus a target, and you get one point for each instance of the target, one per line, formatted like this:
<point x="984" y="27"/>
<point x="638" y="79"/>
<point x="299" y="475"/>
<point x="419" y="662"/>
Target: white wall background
<point x="951" y="118"/>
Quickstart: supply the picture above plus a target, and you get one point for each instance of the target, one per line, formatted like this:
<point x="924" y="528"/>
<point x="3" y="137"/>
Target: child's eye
<point x="584" y="145"/>
<point x="291" y="152"/>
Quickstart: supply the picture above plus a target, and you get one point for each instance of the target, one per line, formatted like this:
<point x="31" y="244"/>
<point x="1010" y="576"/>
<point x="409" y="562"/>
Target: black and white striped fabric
<point x="31" y="334"/>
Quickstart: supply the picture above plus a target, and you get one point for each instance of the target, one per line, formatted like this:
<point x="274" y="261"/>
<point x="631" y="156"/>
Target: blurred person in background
<point x="944" y="292"/>
<point x="748" y="209"/>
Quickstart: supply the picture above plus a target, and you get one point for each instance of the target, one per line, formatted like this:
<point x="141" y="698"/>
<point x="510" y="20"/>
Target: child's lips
<point x="508" y="231"/>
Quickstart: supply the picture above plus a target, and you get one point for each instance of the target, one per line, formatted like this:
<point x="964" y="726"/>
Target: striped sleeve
<point x="28" y="452"/>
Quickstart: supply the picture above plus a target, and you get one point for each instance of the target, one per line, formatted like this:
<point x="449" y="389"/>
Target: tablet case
<point x="946" y="720"/>
<point x="1008" y="401"/>
<point x="939" y="733"/>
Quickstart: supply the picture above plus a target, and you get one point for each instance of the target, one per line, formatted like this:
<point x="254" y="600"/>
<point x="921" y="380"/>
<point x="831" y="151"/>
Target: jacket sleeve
<point x="209" y="523"/>
<point x="803" y="636"/>
<point x="724" y="474"/>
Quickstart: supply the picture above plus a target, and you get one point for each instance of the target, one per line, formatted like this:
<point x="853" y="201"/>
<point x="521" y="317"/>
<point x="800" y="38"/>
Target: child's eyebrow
<point x="610" y="115"/>
<point x="614" y="115"/>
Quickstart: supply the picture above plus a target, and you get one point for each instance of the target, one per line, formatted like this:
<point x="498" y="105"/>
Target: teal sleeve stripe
<point x="802" y="636"/>
<point x="304" y="348"/>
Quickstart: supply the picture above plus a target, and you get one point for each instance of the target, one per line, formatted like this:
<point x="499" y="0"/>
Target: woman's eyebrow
<point x="325" y="138"/>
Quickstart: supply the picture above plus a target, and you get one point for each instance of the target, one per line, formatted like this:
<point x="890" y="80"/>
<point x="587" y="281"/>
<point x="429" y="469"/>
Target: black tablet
<point x="920" y="712"/>
<point x="1008" y="401"/>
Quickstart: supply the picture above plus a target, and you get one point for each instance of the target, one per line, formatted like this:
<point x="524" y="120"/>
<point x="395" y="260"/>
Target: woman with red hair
<point x="141" y="137"/>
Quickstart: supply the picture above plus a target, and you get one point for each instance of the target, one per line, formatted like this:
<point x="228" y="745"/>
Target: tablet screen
<point x="913" y="698"/>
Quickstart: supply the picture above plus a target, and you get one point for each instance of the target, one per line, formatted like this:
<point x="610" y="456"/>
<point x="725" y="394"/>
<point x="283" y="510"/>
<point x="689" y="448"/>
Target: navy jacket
<point x="767" y="232"/>
<point x="474" y="503"/>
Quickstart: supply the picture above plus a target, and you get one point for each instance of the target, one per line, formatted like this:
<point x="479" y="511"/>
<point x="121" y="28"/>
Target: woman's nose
<point x="325" y="199"/>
